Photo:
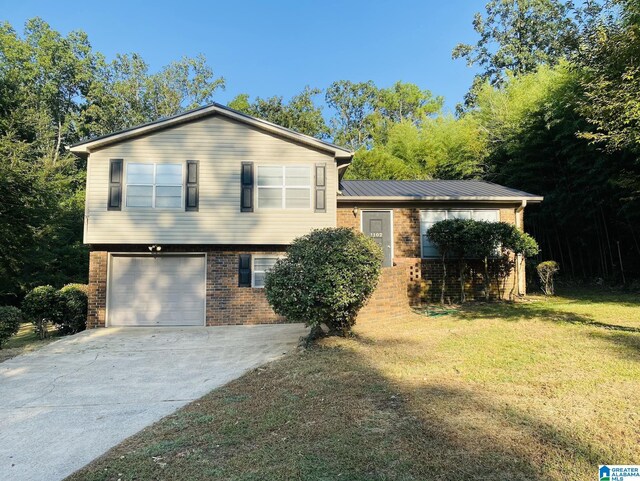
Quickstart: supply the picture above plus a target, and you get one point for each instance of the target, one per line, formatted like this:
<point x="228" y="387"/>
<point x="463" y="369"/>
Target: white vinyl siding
<point x="284" y="187"/>
<point x="157" y="186"/>
<point x="261" y="265"/>
<point x="220" y="145"/>
<point x="430" y="217"/>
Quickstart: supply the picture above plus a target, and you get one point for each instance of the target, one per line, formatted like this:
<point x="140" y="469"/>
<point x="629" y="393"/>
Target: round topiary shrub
<point x="327" y="276"/>
<point x="74" y="308"/>
<point x="10" y="320"/>
<point x="42" y="306"/>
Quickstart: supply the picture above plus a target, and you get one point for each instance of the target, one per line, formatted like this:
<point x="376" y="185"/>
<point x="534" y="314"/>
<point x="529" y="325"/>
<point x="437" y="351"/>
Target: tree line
<point x="554" y="111"/>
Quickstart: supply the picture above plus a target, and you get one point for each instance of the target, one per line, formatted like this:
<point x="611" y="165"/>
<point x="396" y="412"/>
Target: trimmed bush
<point x="43" y="306"/>
<point x="10" y="320"/>
<point x="546" y="272"/>
<point x="74" y="308"/>
<point x="327" y="276"/>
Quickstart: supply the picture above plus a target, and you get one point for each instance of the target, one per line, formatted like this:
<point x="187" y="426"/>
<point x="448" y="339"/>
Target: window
<point x="281" y="187"/>
<point x="154" y="186"/>
<point x="430" y="217"/>
<point x="261" y="265"/>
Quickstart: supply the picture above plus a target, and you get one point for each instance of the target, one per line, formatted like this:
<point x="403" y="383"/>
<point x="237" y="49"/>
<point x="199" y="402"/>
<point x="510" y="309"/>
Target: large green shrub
<point x="451" y="238"/>
<point x="74" y="308"/>
<point x="43" y="306"/>
<point x="10" y="320"/>
<point x="327" y="276"/>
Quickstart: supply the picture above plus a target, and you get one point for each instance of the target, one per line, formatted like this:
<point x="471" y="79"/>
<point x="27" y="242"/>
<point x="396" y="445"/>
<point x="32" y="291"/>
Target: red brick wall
<point x="391" y="298"/>
<point x="226" y="303"/>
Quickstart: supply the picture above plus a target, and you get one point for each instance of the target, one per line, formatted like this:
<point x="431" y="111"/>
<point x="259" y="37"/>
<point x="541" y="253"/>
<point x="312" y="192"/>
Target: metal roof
<point x="447" y="190"/>
<point x="214" y="108"/>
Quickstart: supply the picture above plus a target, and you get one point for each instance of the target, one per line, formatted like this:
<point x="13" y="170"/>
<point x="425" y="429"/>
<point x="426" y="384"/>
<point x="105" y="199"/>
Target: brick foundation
<point x="226" y="303"/>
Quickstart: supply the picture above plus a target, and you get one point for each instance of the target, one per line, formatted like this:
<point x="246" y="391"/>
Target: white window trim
<point x="253" y="270"/>
<point x="283" y="187"/>
<point x="153" y="186"/>
<point x="422" y="256"/>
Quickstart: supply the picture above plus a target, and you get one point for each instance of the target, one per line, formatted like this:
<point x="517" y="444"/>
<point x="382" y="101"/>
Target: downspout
<point x="521" y="290"/>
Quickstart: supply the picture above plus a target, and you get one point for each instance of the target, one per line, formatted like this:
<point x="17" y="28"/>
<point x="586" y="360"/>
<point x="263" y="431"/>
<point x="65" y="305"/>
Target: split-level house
<point x="185" y="215"/>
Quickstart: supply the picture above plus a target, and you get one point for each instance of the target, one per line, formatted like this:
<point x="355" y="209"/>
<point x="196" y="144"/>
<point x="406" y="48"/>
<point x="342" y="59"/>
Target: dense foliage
<point x="43" y="307"/>
<point x="10" y="319"/>
<point x="74" y="305"/>
<point x="326" y="277"/>
<point x="495" y="244"/>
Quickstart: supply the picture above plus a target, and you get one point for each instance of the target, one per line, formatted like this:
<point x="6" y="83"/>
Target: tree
<point x="401" y="103"/>
<point x="442" y="148"/>
<point x="611" y="64"/>
<point x="590" y="196"/>
<point x="326" y="278"/>
<point x="299" y="114"/>
<point x="517" y="36"/>
<point x="452" y="239"/>
<point x="10" y="320"/>
<point x="353" y="104"/>
<point x="124" y="93"/>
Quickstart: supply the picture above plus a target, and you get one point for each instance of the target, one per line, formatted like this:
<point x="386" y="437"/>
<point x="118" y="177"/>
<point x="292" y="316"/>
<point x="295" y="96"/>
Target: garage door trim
<point x="149" y="255"/>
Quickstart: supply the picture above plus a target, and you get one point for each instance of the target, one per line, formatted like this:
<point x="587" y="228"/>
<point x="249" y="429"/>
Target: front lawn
<point x="539" y="390"/>
<point x="26" y="340"/>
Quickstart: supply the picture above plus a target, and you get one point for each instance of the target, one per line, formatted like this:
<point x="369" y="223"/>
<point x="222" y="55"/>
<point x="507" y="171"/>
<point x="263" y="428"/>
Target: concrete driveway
<point x="67" y="403"/>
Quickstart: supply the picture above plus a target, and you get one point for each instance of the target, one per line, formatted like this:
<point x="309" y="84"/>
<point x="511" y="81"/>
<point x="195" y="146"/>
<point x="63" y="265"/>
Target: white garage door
<point x="156" y="291"/>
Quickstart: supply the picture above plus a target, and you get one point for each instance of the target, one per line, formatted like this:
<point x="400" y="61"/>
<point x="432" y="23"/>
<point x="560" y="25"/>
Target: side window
<point x="261" y="265"/>
<point x="430" y="217"/>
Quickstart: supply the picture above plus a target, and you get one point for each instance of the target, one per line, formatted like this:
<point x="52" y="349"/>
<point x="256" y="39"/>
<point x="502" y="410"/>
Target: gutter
<point x="443" y="198"/>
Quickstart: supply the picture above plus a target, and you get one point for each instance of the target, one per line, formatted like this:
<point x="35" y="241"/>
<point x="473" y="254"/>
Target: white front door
<point x="167" y="290"/>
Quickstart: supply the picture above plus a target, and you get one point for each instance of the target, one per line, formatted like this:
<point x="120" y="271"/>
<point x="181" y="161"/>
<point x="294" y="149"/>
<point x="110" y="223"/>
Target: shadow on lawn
<point x="330" y="413"/>
<point x="511" y="311"/>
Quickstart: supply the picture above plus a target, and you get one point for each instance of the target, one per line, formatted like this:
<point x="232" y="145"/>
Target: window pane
<point x="168" y="197"/>
<point x="297" y="198"/>
<point x="486" y="215"/>
<point x="168" y="191"/>
<point x="263" y="264"/>
<point x="258" y="279"/>
<point x="270" y="198"/>
<point x="172" y="202"/>
<point x="269" y="175"/>
<point x="459" y="214"/>
<point x="169" y="174"/>
<point x="139" y="196"/>
<point x="139" y="173"/>
<point x="297" y="176"/>
<point x="433" y="215"/>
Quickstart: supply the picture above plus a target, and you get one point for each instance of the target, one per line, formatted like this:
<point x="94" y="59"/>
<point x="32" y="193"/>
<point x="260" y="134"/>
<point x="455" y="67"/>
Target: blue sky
<point x="277" y="47"/>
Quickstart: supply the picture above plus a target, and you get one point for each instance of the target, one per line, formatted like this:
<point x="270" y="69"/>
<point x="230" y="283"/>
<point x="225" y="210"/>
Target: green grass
<point x="539" y="390"/>
<point x="25" y="340"/>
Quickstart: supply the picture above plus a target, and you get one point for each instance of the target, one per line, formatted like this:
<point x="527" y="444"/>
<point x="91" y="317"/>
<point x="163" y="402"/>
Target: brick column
<point x="96" y="315"/>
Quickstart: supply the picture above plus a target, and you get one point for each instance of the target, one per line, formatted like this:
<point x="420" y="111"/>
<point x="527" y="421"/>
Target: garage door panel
<point x="156" y="291"/>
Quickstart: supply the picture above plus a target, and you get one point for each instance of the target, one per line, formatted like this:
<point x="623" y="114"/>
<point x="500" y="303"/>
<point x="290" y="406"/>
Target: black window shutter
<point x="321" y="188"/>
<point x="191" y="199"/>
<point x="246" y="186"/>
<point x="244" y="270"/>
<point x="115" y="185"/>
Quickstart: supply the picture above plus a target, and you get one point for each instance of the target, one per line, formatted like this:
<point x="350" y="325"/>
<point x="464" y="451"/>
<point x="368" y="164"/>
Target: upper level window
<point x="156" y="186"/>
<point x="284" y="187"/>
<point x="430" y="217"/>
